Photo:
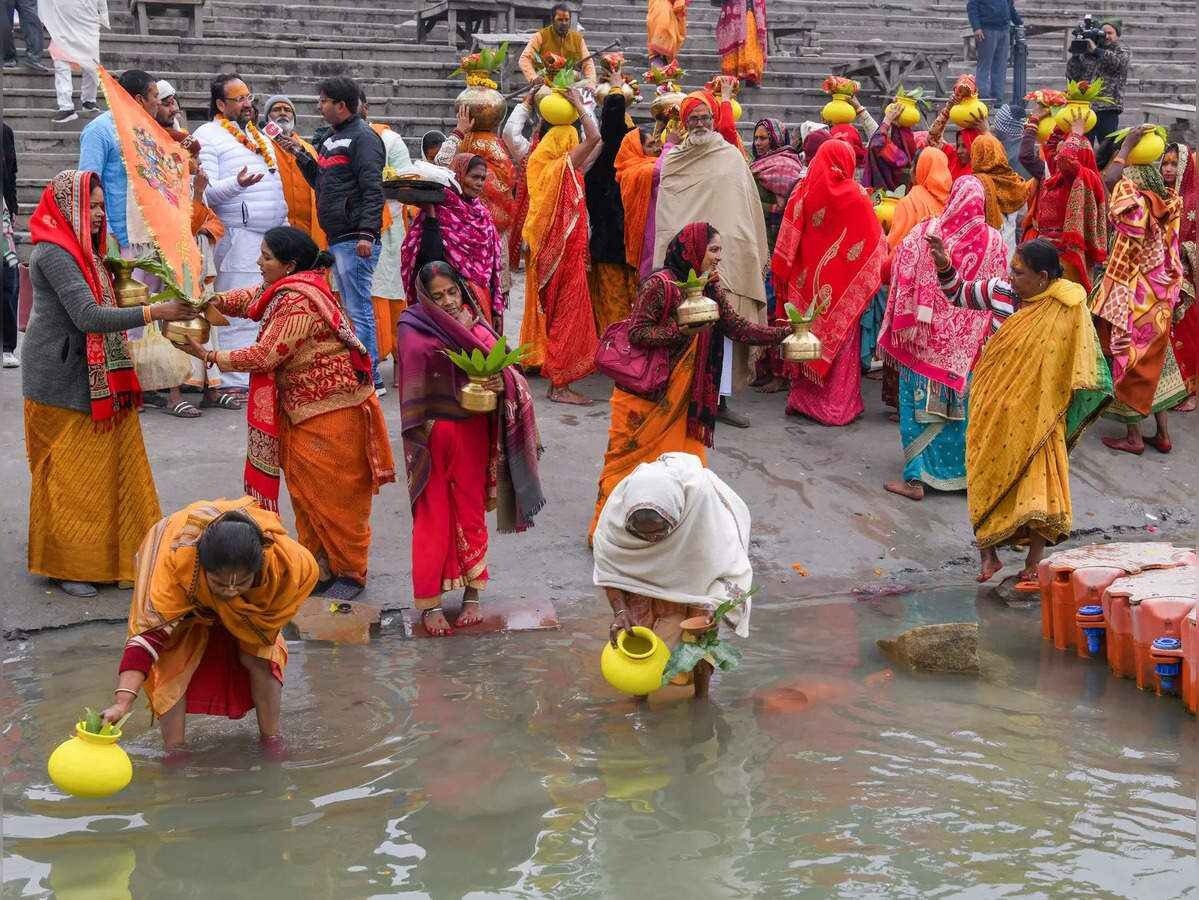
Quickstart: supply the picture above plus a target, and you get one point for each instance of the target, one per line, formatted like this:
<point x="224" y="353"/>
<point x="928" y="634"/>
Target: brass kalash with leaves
<point x="132" y="293"/>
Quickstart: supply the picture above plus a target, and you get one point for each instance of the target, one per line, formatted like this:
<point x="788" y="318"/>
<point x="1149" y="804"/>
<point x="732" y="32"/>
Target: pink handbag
<point x="638" y="370"/>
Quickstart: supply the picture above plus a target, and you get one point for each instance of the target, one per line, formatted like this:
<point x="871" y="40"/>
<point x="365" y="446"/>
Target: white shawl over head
<point x="702" y="561"/>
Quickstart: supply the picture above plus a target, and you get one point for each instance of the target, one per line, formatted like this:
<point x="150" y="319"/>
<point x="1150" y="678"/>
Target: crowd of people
<point x="998" y="314"/>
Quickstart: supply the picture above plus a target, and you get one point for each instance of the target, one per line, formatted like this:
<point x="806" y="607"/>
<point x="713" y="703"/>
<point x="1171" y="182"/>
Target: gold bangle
<point x="132" y="693"/>
<point x="146" y="315"/>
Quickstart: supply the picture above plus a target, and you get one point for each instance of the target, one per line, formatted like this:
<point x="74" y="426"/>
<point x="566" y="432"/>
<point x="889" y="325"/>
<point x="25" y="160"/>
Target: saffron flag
<point x="159" y="183"/>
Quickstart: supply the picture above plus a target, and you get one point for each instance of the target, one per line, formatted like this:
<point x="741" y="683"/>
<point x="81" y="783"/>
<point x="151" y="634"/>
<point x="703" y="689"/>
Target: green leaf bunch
<point x="93" y="722"/>
<point x="694" y="281"/>
<point x="798" y="318"/>
<point x="476" y="365"/>
<point x="1125" y="132"/>
<point x="1093" y="93"/>
<point x="916" y="94"/>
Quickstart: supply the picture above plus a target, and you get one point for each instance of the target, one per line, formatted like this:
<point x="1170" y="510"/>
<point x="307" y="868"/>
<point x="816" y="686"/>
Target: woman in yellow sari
<point x="1038" y="383"/>
<point x="682" y="415"/>
<point x="216" y="583"/>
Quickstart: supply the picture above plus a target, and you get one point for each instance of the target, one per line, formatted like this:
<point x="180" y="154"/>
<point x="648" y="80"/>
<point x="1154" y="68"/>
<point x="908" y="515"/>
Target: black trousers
<point x="10" y="288"/>
<point x="31" y="29"/>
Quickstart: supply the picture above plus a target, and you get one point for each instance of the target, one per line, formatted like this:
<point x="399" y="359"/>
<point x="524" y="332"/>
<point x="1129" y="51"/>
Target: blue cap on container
<point x="1093" y="610"/>
<point x="1167" y="643"/>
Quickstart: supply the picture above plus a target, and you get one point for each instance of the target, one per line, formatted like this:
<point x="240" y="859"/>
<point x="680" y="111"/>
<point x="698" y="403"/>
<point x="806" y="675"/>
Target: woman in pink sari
<point x="741" y="39"/>
<point x="460" y="465"/>
<point x="460" y="231"/>
<point x="830" y="252"/>
<point x="936" y="343"/>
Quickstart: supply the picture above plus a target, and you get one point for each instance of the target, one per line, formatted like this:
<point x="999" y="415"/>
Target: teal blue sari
<point x="932" y="426"/>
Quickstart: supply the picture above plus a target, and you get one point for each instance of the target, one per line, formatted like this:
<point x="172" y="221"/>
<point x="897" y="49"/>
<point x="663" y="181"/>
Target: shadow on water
<point x="506" y="766"/>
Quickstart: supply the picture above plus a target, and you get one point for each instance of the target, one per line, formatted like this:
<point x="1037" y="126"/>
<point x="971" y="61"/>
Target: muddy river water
<point x="505" y="766"/>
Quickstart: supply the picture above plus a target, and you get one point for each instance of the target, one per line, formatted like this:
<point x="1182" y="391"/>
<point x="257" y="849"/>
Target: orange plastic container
<point x="1072" y="579"/>
<point x="1190" y="661"/>
<point x="1157" y="604"/>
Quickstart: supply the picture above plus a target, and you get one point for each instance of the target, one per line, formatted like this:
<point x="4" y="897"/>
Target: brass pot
<point x="802" y="345"/>
<point x="665" y="104"/>
<point x="475" y="397"/>
<point x="605" y="88"/>
<point x="696" y="309"/>
<point x="179" y="332"/>
<point x="129" y="293"/>
<point x="486" y="105"/>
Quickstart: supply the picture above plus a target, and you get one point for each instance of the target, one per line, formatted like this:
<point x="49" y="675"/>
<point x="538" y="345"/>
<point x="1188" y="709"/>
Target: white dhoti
<point x="237" y="267"/>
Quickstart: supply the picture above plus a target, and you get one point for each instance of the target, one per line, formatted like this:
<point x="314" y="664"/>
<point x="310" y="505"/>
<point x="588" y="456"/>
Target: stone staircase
<point x="288" y="47"/>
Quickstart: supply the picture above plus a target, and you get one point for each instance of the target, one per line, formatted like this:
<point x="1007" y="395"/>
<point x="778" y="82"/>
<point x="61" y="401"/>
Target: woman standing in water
<point x="460" y="464"/>
<point x="216" y="583"/>
<point x="1039" y="382"/>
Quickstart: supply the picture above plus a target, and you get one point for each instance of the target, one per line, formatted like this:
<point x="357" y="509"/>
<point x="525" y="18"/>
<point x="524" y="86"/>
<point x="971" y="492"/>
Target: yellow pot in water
<point x="838" y="111"/>
<point x="909" y="113"/>
<point x="964" y="114"/>
<point x="1148" y="150"/>
<point x="1075" y="109"/>
<point x="557" y="110"/>
<point x="635" y="665"/>
<point x="90" y="765"/>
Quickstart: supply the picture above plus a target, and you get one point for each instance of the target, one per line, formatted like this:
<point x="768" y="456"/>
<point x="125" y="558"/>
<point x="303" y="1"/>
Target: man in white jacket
<point x="74" y="27"/>
<point x="245" y="192"/>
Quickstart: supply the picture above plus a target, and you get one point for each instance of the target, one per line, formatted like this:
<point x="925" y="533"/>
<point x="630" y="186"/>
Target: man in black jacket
<point x="348" y="180"/>
<point x="991" y="21"/>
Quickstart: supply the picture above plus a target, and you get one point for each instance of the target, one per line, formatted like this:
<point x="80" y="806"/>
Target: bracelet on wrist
<point x="147" y="315"/>
<point x="129" y="691"/>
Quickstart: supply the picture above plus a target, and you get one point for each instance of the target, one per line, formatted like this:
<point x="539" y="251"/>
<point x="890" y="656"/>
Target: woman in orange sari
<point x="931" y="182"/>
<point x="216" y="584"/>
<point x="741" y="39"/>
<point x="313" y="413"/>
<point x="460" y="464"/>
<point x="635" y="162"/>
<point x="666" y="29"/>
<point x="829" y="257"/>
<point x="682" y="416"/>
<point x="557" y="232"/>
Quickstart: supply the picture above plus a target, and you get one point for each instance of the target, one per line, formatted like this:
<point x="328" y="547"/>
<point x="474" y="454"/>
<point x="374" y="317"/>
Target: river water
<point x="505" y="766"/>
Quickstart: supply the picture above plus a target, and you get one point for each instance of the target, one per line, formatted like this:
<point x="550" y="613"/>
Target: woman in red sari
<point x="460" y="464"/>
<point x="830" y="252"/>
<point x="1181" y="172"/>
<point x="557" y="231"/>
<point x="1068" y="204"/>
<point x="460" y="231"/>
<point x="313" y="414"/>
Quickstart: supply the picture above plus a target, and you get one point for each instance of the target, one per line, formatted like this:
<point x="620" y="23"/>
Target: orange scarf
<point x="635" y="175"/>
<point x="926" y="199"/>
<point x="1005" y="191"/>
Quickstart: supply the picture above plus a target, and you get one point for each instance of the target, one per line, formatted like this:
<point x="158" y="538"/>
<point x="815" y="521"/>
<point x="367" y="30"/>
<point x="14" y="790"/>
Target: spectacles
<point x="698" y="120"/>
<point x="239" y="99"/>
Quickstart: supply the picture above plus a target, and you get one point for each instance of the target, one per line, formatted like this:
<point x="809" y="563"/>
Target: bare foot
<point x="472" y="610"/>
<point x="274" y="747"/>
<point x="913" y="490"/>
<point x="1127" y="444"/>
<point x="1160" y="442"/>
<point x="1187" y="405"/>
<point x="435" y="622"/>
<point x="989" y="564"/>
<point x="567" y="395"/>
<point x="773" y="386"/>
<point x="892" y="417"/>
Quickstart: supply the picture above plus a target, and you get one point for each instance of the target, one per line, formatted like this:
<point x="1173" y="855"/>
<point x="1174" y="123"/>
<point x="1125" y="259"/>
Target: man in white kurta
<point x="245" y="192"/>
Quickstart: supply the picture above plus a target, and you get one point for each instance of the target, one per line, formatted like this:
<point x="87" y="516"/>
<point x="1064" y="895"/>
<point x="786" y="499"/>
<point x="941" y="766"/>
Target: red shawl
<point x="262" y="412"/>
<point x="472" y="243"/>
<point x="63" y="218"/>
<point x="946" y="345"/>
<point x="830" y="250"/>
<point x="1069" y="209"/>
<point x="850" y="135"/>
<point x="957" y="168"/>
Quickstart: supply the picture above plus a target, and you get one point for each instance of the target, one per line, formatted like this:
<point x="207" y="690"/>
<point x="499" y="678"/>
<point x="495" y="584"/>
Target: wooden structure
<point x="467" y="19"/>
<point x="1032" y="28"/>
<point x="191" y="9"/>
<point x="888" y="69"/>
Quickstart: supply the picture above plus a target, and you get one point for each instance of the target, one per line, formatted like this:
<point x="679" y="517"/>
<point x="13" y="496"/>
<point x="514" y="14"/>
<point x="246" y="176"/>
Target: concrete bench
<point x="191" y="9"/>
<point x="464" y="18"/>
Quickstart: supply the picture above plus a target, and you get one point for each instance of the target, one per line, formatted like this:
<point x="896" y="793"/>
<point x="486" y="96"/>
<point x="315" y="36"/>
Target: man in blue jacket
<point x="992" y="21"/>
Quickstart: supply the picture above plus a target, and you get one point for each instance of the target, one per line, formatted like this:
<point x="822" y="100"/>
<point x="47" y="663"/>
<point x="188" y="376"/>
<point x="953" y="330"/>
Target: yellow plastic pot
<point x="1148" y="150"/>
<point x="964" y="114"/>
<point x="838" y="111"/>
<point x="557" y="110"/>
<point x="885" y="211"/>
<point x="909" y="113"/>
<point x="635" y="665"/>
<point x="736" y="109"/>
<point x="90" y="765"/>
<point x="1046" y="126"/>
<point x="1075" y="109"/>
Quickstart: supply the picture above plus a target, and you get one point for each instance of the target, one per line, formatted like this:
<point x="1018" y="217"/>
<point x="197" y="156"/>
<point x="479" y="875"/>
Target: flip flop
<point x="184" y="409"/>
<point x="343" y="589"/>
<point x="223" y="401"/>
<point x="1028" y="587"/>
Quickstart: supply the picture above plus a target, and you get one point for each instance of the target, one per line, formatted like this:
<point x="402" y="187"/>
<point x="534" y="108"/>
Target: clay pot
<point x="964" y="113"/>
<point x="1075" y="109"/>
<point x="557" y="110"/>
<point x="909" y="112"/>
<point x="885" y="211"/>
<point x="695" y="627"/>
<point x="838" y="111"/>
<point x="486" y="105"/>
<point x="801" y="345"/>
<point x="1047" y="125"/>
<point x="1148" y="150"/>
<point x="635" y="665"/>
<point x="475" y="397"/>
<point x="129" y="293"/>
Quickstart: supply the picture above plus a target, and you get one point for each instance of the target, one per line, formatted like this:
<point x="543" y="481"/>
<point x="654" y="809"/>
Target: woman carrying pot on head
<point x="460" y="231"/>
<point x="216" y="584"/>
<point x="92" y="497"/>
<point x="680" y="414"/>
<point x="672" y="543"/>
<point x="1041" y="379"/>
<point x="460" y="463"/>
<point x="313" y="414"/>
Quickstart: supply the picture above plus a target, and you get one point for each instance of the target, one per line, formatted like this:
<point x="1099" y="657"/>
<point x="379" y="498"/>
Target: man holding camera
<point x="992" y="21"/>
<point x="1095" y="52"/>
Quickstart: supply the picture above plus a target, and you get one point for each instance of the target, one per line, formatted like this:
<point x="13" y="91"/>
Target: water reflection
<point x="505" y="765"/>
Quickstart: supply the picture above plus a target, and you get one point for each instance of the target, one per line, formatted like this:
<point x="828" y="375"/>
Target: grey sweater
<point x="53" y="358"/>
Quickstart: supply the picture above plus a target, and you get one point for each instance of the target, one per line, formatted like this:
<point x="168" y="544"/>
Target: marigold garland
<point x="258" y="145"/>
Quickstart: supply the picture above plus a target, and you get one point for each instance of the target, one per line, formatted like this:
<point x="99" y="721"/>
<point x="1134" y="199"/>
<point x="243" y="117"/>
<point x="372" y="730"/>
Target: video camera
<point x="1087" y="31"/>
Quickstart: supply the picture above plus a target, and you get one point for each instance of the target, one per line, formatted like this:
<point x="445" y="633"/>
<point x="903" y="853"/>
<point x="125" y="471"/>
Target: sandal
<point x="342" y="589"/>
<point x="445" y="632"/>
<point x="222" y="401"/>
<point x="1026" y="586"/>
<point x="184" y="409"/>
